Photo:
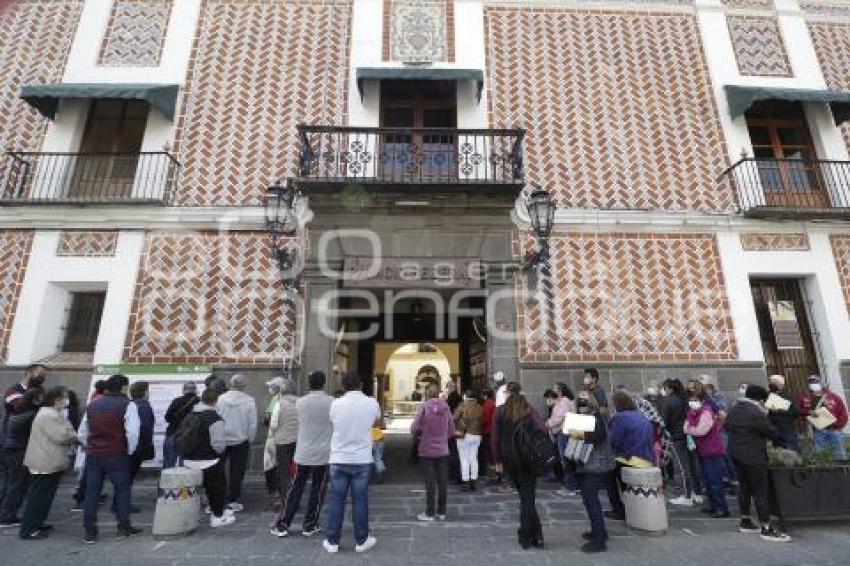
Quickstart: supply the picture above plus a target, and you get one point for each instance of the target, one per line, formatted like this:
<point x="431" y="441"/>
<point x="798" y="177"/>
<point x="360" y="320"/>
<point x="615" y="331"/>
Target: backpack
<point x="188" y="440"/>
<point x="533" y="447"/>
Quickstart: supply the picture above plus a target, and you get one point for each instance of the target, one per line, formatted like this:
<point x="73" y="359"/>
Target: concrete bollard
<point x="643" y="498"/>
<point x="178" y="503"/>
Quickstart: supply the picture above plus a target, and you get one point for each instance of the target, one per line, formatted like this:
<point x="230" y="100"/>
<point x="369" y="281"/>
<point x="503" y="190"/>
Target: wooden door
<point x="83" y="322"/>
<point x="786" y="157"/>
<point x="413" y="105"/>
<point x="795" y="356"/>
<point x="110" y="148"/>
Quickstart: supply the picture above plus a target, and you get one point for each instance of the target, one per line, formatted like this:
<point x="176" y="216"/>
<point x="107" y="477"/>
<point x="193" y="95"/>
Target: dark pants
<point x="712" y="472"/>
<point x="590" y="484"/>
<point x="15" y="478"/>
<point x="345" y="478"/>
<point x="170" y="457"/>
<point x="753" y="484"/>
<point x="613" y="486"/>
<point x="454" y="460"/>
<point x="436" y="478"/>
<point x="42" y="490"/>
<point x="215" y="486"/>
<point x="237" y="463"/>
<point x="117" y="469"/>
<point x="318" y="476"/>
<point x="284" y="453"/>
<point x="525" y="482"/>
<point x="571" y="483"/>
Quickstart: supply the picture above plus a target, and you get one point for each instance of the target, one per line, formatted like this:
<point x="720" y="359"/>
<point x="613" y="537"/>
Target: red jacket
<point x="806" y="403"/>
<point x="489" y="411"/>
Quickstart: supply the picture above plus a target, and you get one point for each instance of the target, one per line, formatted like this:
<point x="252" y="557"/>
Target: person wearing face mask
<point x="703" y="424"/>
<point x="830" y="437"/>
<point x="47" y="459"/>
<point x="749" y="431"/>
<point x="785" y="420"/>
<point x="592" y="473"/>
<point x="674" y="409"/>
<point x="742" y="390"/>
<point x="591" y="384"/>
<point x="13" y="445"/>
<point x="565" y="403"/>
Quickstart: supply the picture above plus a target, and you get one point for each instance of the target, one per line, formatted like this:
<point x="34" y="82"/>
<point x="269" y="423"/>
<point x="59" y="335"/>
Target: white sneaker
<point x="235" y="507"/>
<point x="331" y="548"/>
<point x="208" y="510"/>
<point x="441" y="517"/>
<point x="314" y="531"/>
<point x="682" y="500"/>
<point x="424" y="517"/>
<point x="698" y="499"/>
<point x="223" y="521"/>
<point x="367" y="544"/>
<point x="279" y="532"/>
<point x="229" y="512"/>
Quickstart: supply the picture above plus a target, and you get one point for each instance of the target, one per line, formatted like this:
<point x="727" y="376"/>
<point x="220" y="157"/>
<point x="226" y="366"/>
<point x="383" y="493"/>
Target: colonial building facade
<point x="697" y="152"/>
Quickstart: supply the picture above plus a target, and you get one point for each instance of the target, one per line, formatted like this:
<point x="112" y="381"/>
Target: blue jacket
<point x="632" y="435"/>
<point x="146" y="423"/>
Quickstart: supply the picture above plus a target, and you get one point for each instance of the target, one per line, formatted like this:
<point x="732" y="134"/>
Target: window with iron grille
<point x="83" y="321"/>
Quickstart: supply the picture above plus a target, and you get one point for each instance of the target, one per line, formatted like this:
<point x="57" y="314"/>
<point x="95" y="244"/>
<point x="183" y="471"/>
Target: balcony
<point x="403" y="159"/>
<point x="791" y="188"/>
<point x="87" y="178"/>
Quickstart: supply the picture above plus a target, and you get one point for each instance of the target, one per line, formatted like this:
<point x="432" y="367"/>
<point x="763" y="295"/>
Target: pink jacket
<point x="559" y="412"/>
<point x="704" y="426"/>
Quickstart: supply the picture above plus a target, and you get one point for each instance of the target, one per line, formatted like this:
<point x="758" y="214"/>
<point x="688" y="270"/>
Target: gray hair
<point x="432" y="392"/>
<point x="288" y="386"/>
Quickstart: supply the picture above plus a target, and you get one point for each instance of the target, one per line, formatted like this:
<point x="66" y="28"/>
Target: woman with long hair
<point x="515" y="413"/>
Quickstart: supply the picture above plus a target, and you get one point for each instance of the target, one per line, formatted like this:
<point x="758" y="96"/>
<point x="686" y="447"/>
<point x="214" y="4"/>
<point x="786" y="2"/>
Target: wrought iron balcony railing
<point x="410" y="156"/>
<point x="87" y="178"/>
<point x="791" y="187"/>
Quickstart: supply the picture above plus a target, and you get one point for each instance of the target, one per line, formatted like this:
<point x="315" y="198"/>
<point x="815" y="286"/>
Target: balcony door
<point x="109" y="150"/>
<point x="785" y="155"/>
<point x="407" y="152"/>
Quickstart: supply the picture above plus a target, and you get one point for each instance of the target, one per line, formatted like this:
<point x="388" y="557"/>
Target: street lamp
<point x="541" y="212"/>
<point x="282" y="223"/>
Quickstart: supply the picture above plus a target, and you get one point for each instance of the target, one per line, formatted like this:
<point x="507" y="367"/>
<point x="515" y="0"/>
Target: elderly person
<point x="284" y="429"/>
<point x="434" y="427"/>
<point x="47" y="459"/>
<point x="174" y="415"/>
<point x="784" y="420"/>
<point x="239" y="411"/>
<point x="829" y="437"/>
<point x="703" y="424"/>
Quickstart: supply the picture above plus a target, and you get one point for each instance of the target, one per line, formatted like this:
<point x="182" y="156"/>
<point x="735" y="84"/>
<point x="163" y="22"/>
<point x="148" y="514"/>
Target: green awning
<point x="740" y="98"/>
<point x="45" y="98"/>
<point x="419" y="74"/>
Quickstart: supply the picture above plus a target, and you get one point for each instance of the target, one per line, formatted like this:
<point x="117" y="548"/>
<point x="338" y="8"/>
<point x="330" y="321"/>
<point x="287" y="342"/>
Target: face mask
<point x="66" y="403"/>
<point x="36" y="381"/>
<point x="550" y="402"/>
<point x="694" y="405"/>
<point x="742" y="391"/>
<point x="272" y="392"/>
<point x="584" y="409"/>
<point x="816" y="388"/>
<point x="588" y="380"/>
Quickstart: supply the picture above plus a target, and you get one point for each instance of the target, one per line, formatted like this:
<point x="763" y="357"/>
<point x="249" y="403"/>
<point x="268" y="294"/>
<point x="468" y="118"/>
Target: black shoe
<point x="126" y="532"/>
<point x="78" y="506"/>
<point x="90" y="538"/>
<point x="472" y="486"/>
<point x="525" y="544"/>
<point x="613" y="515"/>
<point x="747" y="526"/>
<point x="719" y="515"/>
<point x="589" y="536"/>
<point x="46" y="528"/>
<point x="16" y="522"/>
<point x="594" y="546"/>
<point x="537" y="542"/>
<point x="37" y="534"/>
<point x="708" y="510"/>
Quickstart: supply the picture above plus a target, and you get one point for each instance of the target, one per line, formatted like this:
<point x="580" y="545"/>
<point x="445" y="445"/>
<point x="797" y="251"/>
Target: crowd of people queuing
<point x="702" y="443"/>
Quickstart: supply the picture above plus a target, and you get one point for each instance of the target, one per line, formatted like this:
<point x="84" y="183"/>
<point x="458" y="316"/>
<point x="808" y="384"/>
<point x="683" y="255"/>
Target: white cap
<point x="777" y="379"/>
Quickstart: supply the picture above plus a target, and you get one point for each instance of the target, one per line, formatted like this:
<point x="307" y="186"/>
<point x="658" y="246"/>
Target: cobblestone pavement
<point x="481" y="530"/>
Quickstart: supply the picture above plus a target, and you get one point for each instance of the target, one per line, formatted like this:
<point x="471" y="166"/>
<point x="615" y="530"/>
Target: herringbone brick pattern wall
<point x="135" y="33"/>
<point x="832" y="46"/>
<point x="841" y="251"/>
<point x="259" y="68"/>
<point x="209" y="298"/>
<point x="765" y="242"/>
<point x="35" y="37"/>
<point x="631" y="298"/>
<point x="759" y="48"/>
<point x="826" y="7"/>
<point x="14" y="255"/>
<point x="87" y="244"/>
<point x="618" y="106"/>
<point x="758" y="4"/>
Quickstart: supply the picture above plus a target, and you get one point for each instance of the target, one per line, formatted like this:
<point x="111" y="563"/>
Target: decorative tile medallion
<point x="596" y="91"/>
<point x="136" y="33"/>
<point x="15" y="248"/>
<point x="759" y="48"/>
<point x="87" y="244"/>
<point x="418" y="32"/>
<point x="629" y="297"/>
<point x="764" y="242"/>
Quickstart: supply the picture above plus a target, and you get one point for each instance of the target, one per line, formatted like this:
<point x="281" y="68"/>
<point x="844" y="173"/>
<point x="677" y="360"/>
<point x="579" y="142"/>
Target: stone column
<point x="318" y="351"/>
<point x="502" y="351"/>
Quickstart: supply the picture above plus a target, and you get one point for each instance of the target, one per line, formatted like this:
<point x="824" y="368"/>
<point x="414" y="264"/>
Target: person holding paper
<point x="828" y="415"/>
<point x="703" y="424"/>
<point x="783" y="414"/>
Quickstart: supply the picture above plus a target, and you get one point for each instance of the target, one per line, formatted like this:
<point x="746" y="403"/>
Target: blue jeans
<point x="345" y="477"/>
<point x="570" y="481"/>
<point x="590" y="484"/>
<point x="170" y="457"/>
<point x="712" y="473"/>
<point x="378" y="457"/>
<point x="830" y="439"/>
<point x="98" y="468"/>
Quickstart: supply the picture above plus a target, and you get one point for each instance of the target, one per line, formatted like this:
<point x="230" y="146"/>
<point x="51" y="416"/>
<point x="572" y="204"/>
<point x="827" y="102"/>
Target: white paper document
<point x="582" y="423"/>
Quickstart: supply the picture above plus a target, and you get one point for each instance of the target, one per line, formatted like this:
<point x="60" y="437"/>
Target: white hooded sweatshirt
<point x="239" y="411"/>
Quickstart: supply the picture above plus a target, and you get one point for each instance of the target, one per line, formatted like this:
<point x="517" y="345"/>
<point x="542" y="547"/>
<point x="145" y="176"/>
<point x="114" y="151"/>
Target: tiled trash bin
<point x="643" y="497"/>
<point x="178" y="503"/>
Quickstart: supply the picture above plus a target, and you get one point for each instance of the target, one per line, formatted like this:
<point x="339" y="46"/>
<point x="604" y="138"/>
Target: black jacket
<point x="673" y="411"/>
<point x="16" y="433"/>
<point x="785" y="421"/>
<point x="749" y="430"/>
<point x="177" y="411"/>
